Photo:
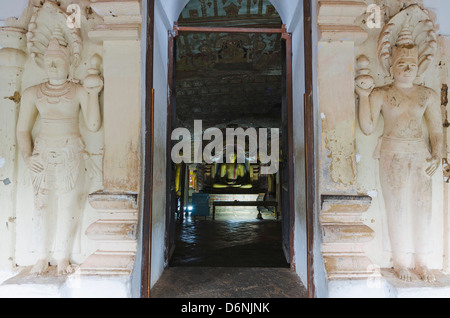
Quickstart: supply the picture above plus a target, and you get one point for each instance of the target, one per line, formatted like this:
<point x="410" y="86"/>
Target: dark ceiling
<point x="229" y="79"/>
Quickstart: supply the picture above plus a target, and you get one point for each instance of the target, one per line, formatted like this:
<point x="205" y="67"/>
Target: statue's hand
<point x="433" y="164"/>
<point x="93" y="84"/>
<point x="364" y="82"/>
<point x="33" y="164"/>
<point x="363" y="92"/>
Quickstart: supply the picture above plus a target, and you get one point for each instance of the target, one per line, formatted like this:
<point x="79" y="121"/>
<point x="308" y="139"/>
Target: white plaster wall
<point x="136" y="279"/>
<point x="163" y="10"/>
<point x="298" y="62"/>
<point x="172" y="9"/>
<point x="289" y="11"/>
<point x="320" y="278"/>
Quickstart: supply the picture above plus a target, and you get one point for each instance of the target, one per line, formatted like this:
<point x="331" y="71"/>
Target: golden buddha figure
<point x="232" y="175"/>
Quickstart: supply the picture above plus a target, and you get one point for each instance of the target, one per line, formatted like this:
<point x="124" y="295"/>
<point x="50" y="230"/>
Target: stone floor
<point x="235" y="256"/>
<point x="228" y="282"/>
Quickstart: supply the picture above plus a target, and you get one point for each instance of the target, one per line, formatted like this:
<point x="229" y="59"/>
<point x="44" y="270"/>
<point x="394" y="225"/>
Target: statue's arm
<point x="433" y="117"/>
<point x="27" y="118"/>
<point x="90" y="106"/>
<point x="370" y="103"/>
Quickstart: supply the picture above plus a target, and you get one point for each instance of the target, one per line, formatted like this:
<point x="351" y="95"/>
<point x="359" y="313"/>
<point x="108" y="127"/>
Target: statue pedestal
<point x="115" y="232"/>
<point x="417" y="288"/>
<point x="344" y="236"/>
<point x="389" y="286"/>
<point x="50" y="285"/>
<point x="24" y="285"/>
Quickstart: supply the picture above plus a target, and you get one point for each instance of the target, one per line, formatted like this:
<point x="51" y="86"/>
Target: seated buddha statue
<point x="232" y="175"/>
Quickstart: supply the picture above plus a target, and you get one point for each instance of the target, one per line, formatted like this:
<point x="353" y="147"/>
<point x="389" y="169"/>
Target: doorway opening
<point x="230" y="67"/>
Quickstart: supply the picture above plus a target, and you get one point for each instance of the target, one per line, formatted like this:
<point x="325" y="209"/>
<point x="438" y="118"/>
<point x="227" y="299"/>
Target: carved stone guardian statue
<point x="56" y="157"/>
<point x="406" y="163"/>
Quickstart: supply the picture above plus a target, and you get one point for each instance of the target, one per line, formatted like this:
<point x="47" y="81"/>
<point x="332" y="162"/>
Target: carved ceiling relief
<point x="229" y="77"/>
<point x="219" y="9"/>
<point x="208" y="51"/>
<point x="228" y="68"/>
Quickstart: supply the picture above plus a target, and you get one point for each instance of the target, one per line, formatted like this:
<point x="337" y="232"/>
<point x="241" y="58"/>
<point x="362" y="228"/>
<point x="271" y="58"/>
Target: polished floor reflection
<point x="232" y="240"/>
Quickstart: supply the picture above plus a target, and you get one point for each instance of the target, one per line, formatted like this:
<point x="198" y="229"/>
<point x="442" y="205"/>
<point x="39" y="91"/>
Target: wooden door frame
<point x="309" y="149"/>
<point x="148" y="157"/>
<point x="290" y="138"/>
<point x="289" y="99"/>
<point x="169" y="128"/>
<point x="310" y="160"/>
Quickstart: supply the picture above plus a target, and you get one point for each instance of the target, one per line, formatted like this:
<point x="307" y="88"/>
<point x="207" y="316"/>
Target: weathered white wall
<point x="136" y="280"/>
<point x="163" y="10"/>
<point x="298" y="82"/>
<point x="320" y="279"/>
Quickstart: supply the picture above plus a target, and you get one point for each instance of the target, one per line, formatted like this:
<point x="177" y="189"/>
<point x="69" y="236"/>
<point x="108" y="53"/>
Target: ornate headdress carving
<point x="404" y="47"/>
<point x="47" y="26"/>
<point x="409" y="33"/>
<point x="55" y="48"/>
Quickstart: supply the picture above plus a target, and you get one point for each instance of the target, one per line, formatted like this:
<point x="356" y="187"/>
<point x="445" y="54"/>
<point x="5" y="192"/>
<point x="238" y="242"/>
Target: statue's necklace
<point x="55" y="93"/>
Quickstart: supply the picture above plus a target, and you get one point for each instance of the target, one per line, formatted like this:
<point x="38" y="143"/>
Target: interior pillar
<point x="117" y="205"/>
<point x="343" y="233"/>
